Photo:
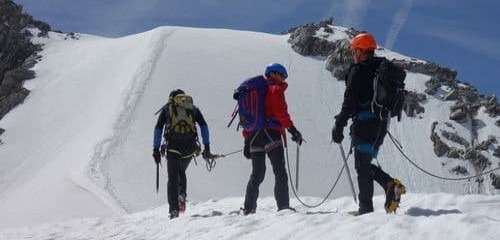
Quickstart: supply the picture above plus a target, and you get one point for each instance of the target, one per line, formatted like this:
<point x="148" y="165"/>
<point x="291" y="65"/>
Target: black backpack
<point x="388" y="89"/>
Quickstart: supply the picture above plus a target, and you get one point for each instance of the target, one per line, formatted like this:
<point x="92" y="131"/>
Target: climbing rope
<point x="400" y="149"/>
<point x="293" y="187"/>
<point x="210" y="162"/>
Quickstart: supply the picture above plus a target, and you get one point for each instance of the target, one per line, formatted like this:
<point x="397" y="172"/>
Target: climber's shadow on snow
<point x="211" y="214"/>
<point x="320" y="212"/>
<point x="422" y="212"/>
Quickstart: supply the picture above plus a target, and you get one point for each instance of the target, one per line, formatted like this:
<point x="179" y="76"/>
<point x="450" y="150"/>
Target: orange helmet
<point x="364" y="41"/>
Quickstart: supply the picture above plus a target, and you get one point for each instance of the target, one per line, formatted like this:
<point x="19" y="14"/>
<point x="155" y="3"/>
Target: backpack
<point x="251" y="97"/>
<point x="181" y="130"/>
<point x="388" y="89"/>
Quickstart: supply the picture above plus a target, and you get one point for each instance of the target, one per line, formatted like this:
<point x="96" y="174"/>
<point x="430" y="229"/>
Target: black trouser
<point x="177" y="181"/>
<point x="367" y="172"/>
<point x="267" y="141"/>
<point x="367" y="137"/>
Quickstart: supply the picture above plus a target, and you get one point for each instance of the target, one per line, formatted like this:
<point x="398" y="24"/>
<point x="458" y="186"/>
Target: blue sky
<point x="460" y="34"/>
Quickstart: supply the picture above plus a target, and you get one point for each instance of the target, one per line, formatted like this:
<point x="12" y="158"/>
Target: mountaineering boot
<point x="182" y="204"/>
<point x="174" y="214"/>
<point x="287" y="208"/>
<point x="393" y="194"/>
<point x="357" y="213"/>
<point x="247" y="211"/>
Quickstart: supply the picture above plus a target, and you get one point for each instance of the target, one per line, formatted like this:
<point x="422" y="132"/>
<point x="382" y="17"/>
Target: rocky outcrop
<point x="485" y="145"/>
<point x="455" y="138"/>
<point x="306" y="42"/>
<point x="468" y="101"/>
<point x="478" y="160"/>
<point x="460" y="170"/>
<point x="461" y="111"/>
<point x="440" y="148"/>
<point x="17" y="53"/>
<point x="443" y="74"/>
<point x="495" y="180"/>
<point x="455" y="153"/>
<point x="490" y="103"/>
<point x="339" y="61"/>
<point x="497" y="152"/>
<point x="411" y="105"/>
<point x="473" y="155"/>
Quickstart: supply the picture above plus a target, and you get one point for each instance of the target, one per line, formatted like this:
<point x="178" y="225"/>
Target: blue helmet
<point x="276" y="67"/>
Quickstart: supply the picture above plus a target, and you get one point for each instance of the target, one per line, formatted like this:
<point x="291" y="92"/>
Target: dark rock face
<point x="443" y="74"/>
<point x="472" y="154"/>
<point x="411" y="105"/>
<point x="479" y="161"/>
<point x="460" y="170"/>
<point x="455" y="153"/>
<point x="305" y="41"/>
<point x="432" y="86"/>
<point x="340" y="60"/>
<point x="497" y="152"/>
<point x="455" y="138"/>
<point x="440" y="148"/>
<point x="17" y="53"/>
<point x="485" y="145"/>
<point x="495" y="180"/>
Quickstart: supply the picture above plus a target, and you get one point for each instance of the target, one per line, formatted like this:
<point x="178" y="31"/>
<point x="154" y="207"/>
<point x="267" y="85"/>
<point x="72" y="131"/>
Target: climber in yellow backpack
<point x="176" y="123"/>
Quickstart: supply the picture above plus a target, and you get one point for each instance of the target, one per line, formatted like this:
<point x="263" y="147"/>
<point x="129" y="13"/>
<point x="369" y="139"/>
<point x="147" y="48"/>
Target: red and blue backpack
<point x="251" y="97"/>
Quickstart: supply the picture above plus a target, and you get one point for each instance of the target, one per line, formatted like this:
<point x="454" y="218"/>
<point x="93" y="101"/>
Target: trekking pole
<point x="157" y="177"/>
<point x="348" y="172"/>
<point x="297" y="169"/>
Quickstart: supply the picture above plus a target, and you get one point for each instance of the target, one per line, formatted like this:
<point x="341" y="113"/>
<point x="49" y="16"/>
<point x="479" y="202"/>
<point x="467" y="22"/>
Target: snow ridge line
<point x="97" y="170"/>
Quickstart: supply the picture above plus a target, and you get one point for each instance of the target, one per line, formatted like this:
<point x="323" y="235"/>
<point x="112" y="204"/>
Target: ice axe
<point x="348" y="172"/>
<point x="157" y="177"/>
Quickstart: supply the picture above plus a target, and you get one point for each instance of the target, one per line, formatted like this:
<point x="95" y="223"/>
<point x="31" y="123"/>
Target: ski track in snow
<point x="98" y="169"/>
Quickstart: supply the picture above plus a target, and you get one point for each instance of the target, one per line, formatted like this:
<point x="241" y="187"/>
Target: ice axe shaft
<point x="157" y="177"/>
<point x="348" y="173"/>
<point x="297" y="169"/>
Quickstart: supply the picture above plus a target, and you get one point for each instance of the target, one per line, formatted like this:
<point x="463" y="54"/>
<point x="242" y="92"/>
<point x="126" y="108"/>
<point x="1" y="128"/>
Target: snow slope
<point x="80" y="146"/>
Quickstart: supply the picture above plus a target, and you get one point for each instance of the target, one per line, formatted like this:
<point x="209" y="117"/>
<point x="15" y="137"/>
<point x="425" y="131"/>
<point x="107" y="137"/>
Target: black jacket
<point x="359" y="89"/>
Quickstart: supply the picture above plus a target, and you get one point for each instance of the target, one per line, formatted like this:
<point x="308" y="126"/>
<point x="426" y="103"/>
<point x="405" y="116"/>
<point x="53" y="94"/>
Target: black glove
<point x="337" y="134"/>
<point x="206" y="152"/>
<point x="157" y="155"/>
<point x="246" y="149"/>
<point x="236" y="94"/>
<point x="296" y="136"/>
